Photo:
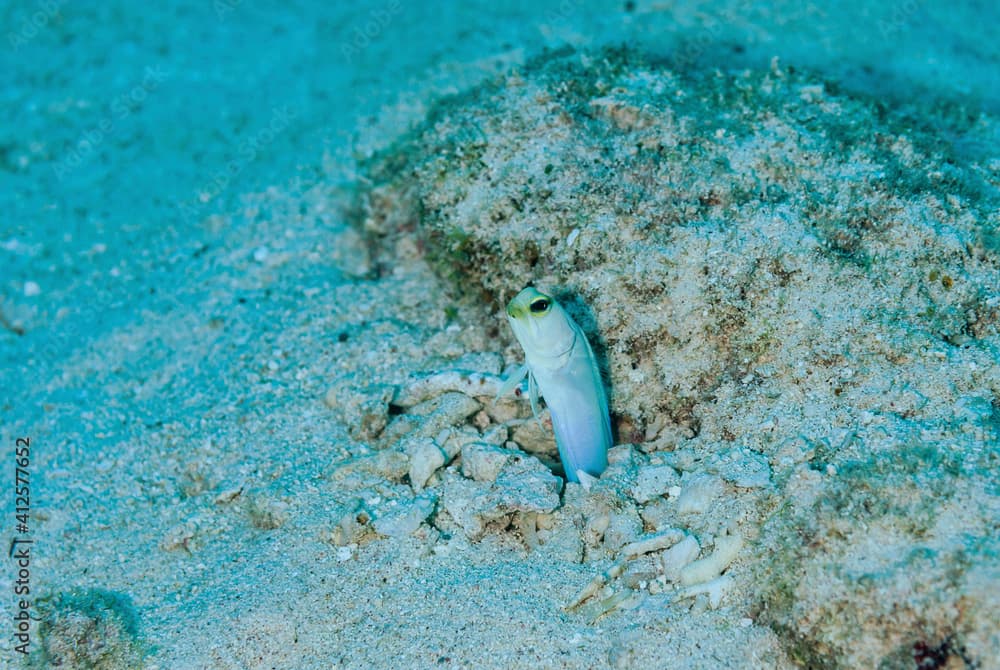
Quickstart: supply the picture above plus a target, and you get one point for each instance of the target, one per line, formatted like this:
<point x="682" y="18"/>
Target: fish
<point x="560" y="364"/>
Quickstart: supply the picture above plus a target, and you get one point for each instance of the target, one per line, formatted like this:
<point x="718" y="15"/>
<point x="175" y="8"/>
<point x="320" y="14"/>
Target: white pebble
<point x="699" y="492"/>
<point x="710" y="567"/>
<point x="483" y="462"/>
<point x="31" y="289"/>
<point x="653" y="481"/>
<point x="649" y="544"/>
<point x="405" y="520"/>
<point x="678" y="556"/>
<point x="716" y="590"/>
<point x="425" y="458"/>
<point x="260" y="254"/>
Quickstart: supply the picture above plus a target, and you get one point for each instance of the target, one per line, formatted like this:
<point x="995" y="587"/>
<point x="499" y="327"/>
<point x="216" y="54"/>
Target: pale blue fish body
<point x="560" y="363"/>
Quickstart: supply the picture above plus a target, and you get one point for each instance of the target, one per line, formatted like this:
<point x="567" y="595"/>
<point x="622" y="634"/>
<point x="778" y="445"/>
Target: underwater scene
<point x="564" y="334"/>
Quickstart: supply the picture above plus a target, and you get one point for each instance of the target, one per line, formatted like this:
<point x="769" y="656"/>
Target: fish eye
<point x="539" y="305"/>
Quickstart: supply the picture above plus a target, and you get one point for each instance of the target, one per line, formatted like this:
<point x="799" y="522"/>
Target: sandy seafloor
<point x="181" y="290"/>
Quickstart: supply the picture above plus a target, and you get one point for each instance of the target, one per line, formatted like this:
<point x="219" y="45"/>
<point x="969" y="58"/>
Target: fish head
<point x="540" y="325"/>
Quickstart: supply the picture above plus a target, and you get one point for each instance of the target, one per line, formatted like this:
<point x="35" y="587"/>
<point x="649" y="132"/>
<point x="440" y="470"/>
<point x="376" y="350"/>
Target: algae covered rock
<point x="706" y="226"/>
<point x="88" y="629"/>
<point x="522" y="486"/>
<point x="795" y="292"/>
<point x="894" y="561"/>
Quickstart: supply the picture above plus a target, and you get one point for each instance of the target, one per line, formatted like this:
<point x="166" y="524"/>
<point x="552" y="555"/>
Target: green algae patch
<point x="88" y="629"/>
<point x="884" y="563"/>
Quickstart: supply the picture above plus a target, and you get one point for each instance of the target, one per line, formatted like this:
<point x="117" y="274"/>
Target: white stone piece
<point x="653" y="481"/>
<point x="678" y="556"/>
<point x="727" y="548"/>
<point x="698" y="492"/>
<point x="425" y="459"/>
<point x="406" y="517"/>
<point x="483" y="462"/>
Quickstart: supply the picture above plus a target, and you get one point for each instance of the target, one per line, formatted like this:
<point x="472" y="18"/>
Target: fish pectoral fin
<point x="512" y="382"/>
<point x="533" y="395"/>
